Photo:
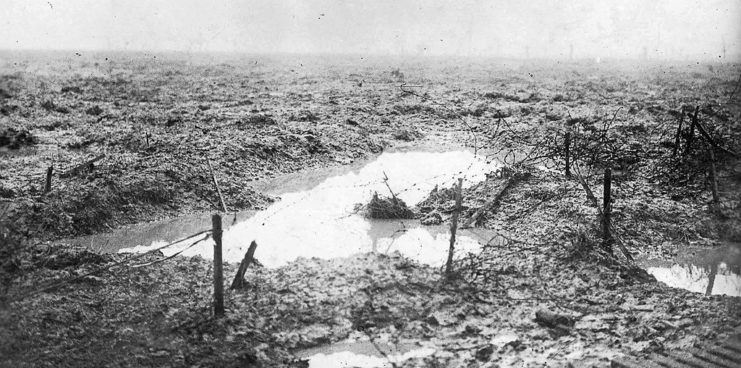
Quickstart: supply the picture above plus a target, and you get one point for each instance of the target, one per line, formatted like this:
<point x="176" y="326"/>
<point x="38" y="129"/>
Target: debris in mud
<point x="6" y="86"/>
<point x="77" y="143"/>
<point x="6" y="192"/>
<point x="397" y="74"/>
<point x="7" y="110"/>
<point x="304" y="116"/>
<point x="95" y="110"/>
<point x="49" y="105"/>
<point x="14" y="139"/>
<point x="266" y="148"/>
<point x="407" y="135"/>
<point x="173" y="120"/>
<point x="478" y="200"/>
<point x="484" y="353"/>
<point x="413" y="109"/>
<point x="67" y="257"/>
<point x="71" y="89"/>
<point x="387" y="208"/>
<point x="554" y="320"/>
<point x="439" y="200"/>
<point x="256" y="120"/>
<point x="432" y="218"/>
<point x="12" y="243"/>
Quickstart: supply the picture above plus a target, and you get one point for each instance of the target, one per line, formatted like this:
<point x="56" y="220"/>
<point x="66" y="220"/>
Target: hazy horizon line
<point x="731" y="59"/>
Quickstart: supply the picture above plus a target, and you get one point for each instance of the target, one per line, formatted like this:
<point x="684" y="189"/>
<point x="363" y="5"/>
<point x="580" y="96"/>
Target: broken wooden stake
<point x="453" y="228"/>
<point x="606" y="209"/>
<point x="386" y="181"/>
<point x="679" y="133"/>
<point x="613" y="235"/>
<point x="567" y="143"/>
<point x="711" y="279"/>
<point x="218" y="267"/>
<point x="216" y="184"/>
<point x="488" y="205"/>
<point x="87" y="164"/>
<point x="691" y="136"/>
<point x="713" y="176"/>
<point x="704" y="133"/>
<point x="560" y="323"/>
<point x="249" y="257"/>
<point x="49" y="173"/>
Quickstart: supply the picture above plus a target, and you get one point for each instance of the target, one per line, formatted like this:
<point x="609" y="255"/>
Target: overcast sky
<point x="599" y="28"/>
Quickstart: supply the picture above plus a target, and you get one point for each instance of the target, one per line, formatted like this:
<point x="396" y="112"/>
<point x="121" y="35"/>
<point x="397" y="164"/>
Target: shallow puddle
<point x="362" y="354"/>
<point x="153" y="233"/>
<point x="318" y="219"/>
<point x="711" y="272"/>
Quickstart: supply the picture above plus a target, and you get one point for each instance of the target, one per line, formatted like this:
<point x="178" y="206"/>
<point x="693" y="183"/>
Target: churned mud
<point x="333" y="283"/>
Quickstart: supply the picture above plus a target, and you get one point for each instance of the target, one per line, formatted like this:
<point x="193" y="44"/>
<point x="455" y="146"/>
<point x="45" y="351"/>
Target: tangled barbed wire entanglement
<point x="594" y="142"/>
<point x="694" y="138"/>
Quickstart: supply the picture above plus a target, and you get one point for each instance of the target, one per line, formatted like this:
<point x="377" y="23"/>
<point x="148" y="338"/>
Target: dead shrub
<point x="387" y="208"/>
<point x="586" y="245"/>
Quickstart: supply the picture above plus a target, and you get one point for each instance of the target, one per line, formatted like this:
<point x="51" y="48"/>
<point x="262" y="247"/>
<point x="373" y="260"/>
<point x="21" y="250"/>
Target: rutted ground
<point x="160" y="315"/>
<point x="158" y="122"/>
<point x="257" y="117"/>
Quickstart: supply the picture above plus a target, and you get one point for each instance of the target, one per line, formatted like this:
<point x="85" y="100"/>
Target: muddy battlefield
<point x="350" y="209"/>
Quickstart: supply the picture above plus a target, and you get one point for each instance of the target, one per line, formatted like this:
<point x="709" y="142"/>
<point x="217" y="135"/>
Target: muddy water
<point x="711" y="272"/>
<point x="318" y="219"/>
<point x="362" y="354"/>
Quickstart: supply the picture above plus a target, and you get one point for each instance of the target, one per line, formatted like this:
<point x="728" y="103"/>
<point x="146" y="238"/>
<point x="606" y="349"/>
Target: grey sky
<point x="667" y="28"/>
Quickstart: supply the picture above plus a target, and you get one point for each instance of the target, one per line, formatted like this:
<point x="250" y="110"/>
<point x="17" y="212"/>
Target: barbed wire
<point x="115" y="264"/>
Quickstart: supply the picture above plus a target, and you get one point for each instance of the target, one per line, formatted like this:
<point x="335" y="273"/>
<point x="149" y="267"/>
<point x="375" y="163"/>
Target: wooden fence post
<point x="453" y="228"/>
<point x="49" y="173"/>
<point x="216" y="185"/>
<point x="567" y="143"/>
<point x="249" y="257"/>
<point x="679" y="132"/>
<point x="713" y="176"/>
<point x="691" y="136"/>
<point x="606" y="209"/>
<point x="218" y="268"/>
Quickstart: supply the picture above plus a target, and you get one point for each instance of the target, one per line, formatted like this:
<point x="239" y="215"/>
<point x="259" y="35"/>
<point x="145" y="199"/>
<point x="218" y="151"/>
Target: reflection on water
<point x="711" y="272"/>
<point x="320" y="221"/>
<point x="361" y="354"/>
<point x="159" y="232"/>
